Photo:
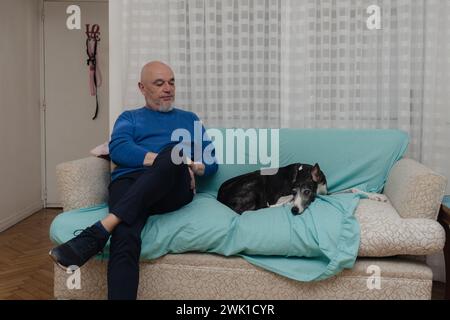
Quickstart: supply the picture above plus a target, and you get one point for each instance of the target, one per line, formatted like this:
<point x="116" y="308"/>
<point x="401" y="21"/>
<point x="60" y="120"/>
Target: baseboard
<point x="53" y="205"/>
<point x="20" y="215"/>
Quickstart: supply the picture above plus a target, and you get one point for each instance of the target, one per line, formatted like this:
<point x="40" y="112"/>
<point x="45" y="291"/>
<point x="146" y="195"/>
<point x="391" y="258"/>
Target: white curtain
<point x="338" y="73"/>
<point x="225" y="55"/>
<point x="301" y="63"/>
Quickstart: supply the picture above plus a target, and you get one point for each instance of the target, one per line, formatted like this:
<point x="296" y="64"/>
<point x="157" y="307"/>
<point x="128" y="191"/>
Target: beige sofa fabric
<point x="206" y="276"/>
<point x="414" y="190"/>
<point x="384" y="233"/>
<point x="83" y="183"/>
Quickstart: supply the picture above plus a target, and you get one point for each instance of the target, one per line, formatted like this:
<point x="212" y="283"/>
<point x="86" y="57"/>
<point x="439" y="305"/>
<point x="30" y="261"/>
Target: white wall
<point x="20" y="143"/>
<point x="115" y="62"/>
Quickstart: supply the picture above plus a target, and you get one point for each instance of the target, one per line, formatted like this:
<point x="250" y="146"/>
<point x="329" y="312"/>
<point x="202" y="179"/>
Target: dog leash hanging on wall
<point x="95" y="77"/>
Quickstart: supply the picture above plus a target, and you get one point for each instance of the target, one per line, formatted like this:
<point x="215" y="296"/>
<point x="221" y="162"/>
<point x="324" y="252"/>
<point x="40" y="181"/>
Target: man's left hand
<point x="197" y="167"/>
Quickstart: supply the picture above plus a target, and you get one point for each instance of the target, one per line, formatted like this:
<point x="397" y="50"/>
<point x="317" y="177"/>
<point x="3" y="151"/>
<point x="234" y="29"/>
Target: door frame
<point x="42" y="104"/>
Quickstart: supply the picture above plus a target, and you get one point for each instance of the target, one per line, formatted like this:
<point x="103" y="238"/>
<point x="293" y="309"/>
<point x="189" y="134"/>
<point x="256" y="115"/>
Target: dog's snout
<point x="294" y="210"/>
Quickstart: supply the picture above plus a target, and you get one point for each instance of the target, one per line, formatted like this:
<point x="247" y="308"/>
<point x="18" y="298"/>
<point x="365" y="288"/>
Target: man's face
<point x="158" y="87"/>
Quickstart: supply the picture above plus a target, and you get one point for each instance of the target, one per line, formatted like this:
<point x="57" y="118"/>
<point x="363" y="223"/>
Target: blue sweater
<point x="143" y="130"/>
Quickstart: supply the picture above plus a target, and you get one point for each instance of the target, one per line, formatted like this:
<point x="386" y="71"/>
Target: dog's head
<point x="309" y="182"/>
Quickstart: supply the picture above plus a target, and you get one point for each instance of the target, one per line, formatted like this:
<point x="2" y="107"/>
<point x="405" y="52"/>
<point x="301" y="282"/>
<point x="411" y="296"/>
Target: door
<point x="70" y="132"/>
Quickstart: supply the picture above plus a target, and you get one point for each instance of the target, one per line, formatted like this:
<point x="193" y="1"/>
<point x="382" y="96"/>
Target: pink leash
<point x="95" y="76"/>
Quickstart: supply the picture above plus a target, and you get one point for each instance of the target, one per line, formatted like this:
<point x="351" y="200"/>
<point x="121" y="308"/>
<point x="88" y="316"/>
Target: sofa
<point x="395" y="237"/>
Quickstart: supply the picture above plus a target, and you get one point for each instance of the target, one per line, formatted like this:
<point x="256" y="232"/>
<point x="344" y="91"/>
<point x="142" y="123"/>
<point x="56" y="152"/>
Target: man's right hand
<point x="150" y="158"/>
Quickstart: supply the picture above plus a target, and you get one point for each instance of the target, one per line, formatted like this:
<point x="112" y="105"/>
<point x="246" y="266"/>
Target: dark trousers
<point x="160" y="188"/>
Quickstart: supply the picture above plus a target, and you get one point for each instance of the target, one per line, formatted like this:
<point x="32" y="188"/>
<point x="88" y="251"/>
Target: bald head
<point x="154" y="68"/>
<point x="158" y="86"/>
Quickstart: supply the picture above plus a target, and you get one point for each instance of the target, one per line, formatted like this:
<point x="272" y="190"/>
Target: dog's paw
<point x="372" y="196"/>
<point x="378" y="197"/>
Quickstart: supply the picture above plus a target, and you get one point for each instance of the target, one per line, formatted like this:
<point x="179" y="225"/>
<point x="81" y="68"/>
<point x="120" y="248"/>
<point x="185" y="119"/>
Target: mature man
<point x="146" y="181"/>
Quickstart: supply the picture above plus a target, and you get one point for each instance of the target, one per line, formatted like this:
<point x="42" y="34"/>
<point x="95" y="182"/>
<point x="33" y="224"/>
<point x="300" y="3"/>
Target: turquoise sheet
<point x="313" y="246"/>
<point x="446" y="201"/>
<point x="349" y="158"/>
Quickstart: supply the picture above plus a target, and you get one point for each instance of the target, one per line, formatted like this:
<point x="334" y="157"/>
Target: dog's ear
<point x="315" y="173"/>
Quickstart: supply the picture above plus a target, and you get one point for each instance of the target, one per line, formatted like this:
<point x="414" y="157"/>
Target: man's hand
<point x="197" y="167"/>
<point x="149" y="158"/>
<point x="191" y="173"/>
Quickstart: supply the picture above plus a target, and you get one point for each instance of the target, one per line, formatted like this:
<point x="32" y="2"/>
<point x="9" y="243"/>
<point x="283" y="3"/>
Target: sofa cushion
<point x="384" y="233"/>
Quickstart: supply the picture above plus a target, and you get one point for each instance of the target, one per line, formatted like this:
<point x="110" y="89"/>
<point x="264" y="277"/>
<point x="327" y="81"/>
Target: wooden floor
<point x="26" y="271"/>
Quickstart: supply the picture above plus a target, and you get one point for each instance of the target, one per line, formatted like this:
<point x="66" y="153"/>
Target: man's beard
<point x="168" y="108"/>
<point x="160" y="106"/>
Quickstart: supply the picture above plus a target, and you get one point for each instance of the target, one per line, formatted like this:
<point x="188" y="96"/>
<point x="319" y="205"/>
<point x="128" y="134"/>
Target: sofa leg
<point x="444" y="220"/>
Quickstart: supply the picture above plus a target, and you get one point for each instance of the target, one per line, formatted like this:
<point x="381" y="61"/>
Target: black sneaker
<point x="80" y="249"/>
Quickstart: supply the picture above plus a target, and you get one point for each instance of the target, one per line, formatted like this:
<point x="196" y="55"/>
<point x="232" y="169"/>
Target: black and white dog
<point x="298" y="183"/>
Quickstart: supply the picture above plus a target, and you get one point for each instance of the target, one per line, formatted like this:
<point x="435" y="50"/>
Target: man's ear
<point x="141" y="86"/>
<point x="315" y="173"/>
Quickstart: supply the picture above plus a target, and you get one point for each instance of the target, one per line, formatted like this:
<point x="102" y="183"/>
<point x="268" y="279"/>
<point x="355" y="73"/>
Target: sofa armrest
<point x="83" y="182"/>
<point x="414" y="190"/>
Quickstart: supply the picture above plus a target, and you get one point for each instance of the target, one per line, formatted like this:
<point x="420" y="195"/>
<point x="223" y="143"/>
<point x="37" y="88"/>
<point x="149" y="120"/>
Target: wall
<point x="115" y="62"/>
<point x="20" y="142"/>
